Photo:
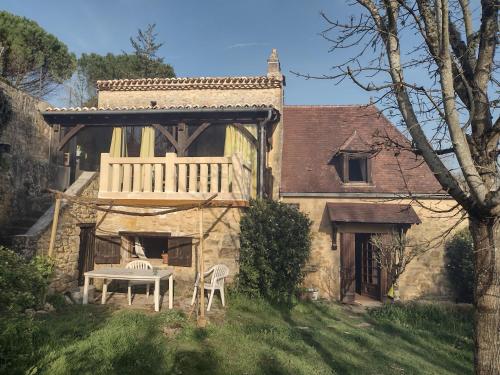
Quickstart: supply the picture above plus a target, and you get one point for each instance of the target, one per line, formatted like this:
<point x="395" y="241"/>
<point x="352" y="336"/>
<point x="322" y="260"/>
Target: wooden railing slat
<point x="147" y="176"/>
<point x="182" y="183"/>
<point x="136" y="184"/>
<point x="115" y="179"/>
<point x="224" y="180"/>
<point x="158" y="188"/>
<point x="227" y="176"/>
<point x="214" y="178"/>
<point x="193" y="177"/>
<point x="203" y="178"/>
<point x="127" y="178"/>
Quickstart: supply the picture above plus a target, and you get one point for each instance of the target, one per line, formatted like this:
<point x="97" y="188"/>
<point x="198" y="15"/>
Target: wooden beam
<point x="201" y="319"/>
<point x="211" y="201"/>
<point x="182" y="138"/>
<point x="247" y="134"/>
<point x="167" y="134"/>
<point x="55" y="221"/>
<point x="69" y="135"/>
<point x="200" y="129"/>
<point x="145" y="234"/>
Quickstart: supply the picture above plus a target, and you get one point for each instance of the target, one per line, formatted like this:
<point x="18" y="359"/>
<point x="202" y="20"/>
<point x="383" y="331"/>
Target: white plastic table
<point x="108" y="274"/>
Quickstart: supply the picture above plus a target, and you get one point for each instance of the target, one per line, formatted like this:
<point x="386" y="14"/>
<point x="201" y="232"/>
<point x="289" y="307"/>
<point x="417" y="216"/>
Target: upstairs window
<point x="358" y="168"/>
<point x="353" y="167"/>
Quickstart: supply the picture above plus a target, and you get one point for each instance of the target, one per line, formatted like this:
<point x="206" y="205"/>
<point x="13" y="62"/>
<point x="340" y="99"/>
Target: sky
<point x="209" y="38"/>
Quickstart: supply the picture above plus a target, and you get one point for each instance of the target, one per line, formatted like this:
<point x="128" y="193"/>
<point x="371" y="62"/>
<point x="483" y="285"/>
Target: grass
<point x="257" y="338"/>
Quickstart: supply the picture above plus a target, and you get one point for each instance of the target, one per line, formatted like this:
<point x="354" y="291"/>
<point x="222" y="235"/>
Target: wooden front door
<point x="87" y="251"/>
<point x="368" y="280"/>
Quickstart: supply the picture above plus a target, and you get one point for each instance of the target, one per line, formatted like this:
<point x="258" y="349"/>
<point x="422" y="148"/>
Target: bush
<point x="275" y="245"/>
<point x="23" y="283"/>
<point x="460" y="267"/>
<point x="16" y="343"/>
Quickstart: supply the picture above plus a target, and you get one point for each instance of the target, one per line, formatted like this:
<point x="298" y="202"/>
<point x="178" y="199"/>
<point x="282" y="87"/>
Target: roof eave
<point x="163" y="116"/>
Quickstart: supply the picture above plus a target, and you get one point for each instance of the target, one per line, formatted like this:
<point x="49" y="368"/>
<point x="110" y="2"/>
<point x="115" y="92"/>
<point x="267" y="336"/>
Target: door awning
<point x="373" y="213"/>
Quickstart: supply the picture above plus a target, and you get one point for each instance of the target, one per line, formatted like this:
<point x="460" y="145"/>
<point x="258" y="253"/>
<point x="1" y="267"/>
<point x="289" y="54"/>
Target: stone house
<point x="173" y="145"/>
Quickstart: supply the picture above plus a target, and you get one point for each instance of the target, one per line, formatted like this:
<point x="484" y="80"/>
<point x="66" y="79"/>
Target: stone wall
<point x="67" y="244"/>
<point x="221" y="227"/>
<point x="27" y="169"/>
<point x="424" y="277"/>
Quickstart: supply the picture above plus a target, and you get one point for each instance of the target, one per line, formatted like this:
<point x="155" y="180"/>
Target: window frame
<point x="345" y="166"/>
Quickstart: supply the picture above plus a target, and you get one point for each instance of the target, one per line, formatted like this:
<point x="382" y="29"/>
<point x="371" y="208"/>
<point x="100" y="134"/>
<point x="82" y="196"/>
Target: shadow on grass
<point x="104" y="342"/>
<point x="403" y="347"/>
<point x="349" y="346"/>
<point x="196" y="357"/>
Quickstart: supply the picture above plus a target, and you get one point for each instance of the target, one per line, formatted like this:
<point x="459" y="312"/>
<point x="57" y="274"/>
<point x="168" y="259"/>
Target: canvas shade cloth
<point x="147" y="142"/>
<point x="236" y="142"/>
<point x="118" y="143"/>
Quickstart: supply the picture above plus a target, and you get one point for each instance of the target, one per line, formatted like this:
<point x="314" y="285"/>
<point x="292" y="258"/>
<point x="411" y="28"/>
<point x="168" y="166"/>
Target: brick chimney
<point x="273" y="65"/>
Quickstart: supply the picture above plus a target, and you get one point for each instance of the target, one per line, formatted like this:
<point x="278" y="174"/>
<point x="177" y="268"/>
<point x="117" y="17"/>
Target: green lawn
<point x="256" y="338"/>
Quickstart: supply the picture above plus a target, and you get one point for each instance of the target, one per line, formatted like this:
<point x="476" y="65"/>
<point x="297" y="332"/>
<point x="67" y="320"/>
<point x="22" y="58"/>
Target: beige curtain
<point x="147" y="142"/>
<point x="236" y="142"/>
<point x="118" y="143"/>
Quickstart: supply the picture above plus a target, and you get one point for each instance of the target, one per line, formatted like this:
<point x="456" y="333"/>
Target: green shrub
<point x="275" y="245"/>
<point x="16" y="343"/>
<point x="23" y="283"/>
<point x="460" y="267"/>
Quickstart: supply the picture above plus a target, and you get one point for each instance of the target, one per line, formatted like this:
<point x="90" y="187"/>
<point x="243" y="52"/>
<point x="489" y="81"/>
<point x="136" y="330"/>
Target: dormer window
<point x="353" y="167"/>
<point x="357" y="166"/>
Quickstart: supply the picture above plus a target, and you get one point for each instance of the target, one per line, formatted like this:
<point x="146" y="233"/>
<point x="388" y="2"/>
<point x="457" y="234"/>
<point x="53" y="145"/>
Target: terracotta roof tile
<point x="198" y="83"/>
<point x="313" y="134"/>
<point x="372" y="213"/>
<point x="166" y="107"/>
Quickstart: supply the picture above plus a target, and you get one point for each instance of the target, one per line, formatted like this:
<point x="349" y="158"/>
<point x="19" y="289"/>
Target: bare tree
<point x="394" y="252"/>
<point x="432" y="61"/>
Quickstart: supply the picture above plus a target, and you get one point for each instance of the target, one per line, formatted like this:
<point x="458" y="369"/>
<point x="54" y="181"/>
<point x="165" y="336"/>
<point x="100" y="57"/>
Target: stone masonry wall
<point x="67" y="244"/>
<point x="221" y="227"/>
<point x="424" y="277"/>
<point x="27" y="169"/>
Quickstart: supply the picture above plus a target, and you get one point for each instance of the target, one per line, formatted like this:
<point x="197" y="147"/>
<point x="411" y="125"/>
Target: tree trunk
<point x="486" y="296"/>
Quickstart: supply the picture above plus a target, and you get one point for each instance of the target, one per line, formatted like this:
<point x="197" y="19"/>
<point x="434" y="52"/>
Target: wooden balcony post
<point x="104" y="174"/>
<point x="170" y="172"/>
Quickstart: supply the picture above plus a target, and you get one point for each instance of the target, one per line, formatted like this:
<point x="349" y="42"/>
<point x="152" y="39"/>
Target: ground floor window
<point x="179" y="249"/>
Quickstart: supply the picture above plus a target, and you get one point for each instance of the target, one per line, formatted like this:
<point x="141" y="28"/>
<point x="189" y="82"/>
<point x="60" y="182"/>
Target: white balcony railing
<point x="174" y="178"/>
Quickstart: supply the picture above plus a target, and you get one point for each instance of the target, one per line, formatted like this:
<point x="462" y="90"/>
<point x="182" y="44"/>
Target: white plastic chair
<point x="138" y="265"/>
<point x="219" y="273"/>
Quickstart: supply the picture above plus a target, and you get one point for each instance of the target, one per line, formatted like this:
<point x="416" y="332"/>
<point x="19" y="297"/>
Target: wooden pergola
<point x="264" y="117"/>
